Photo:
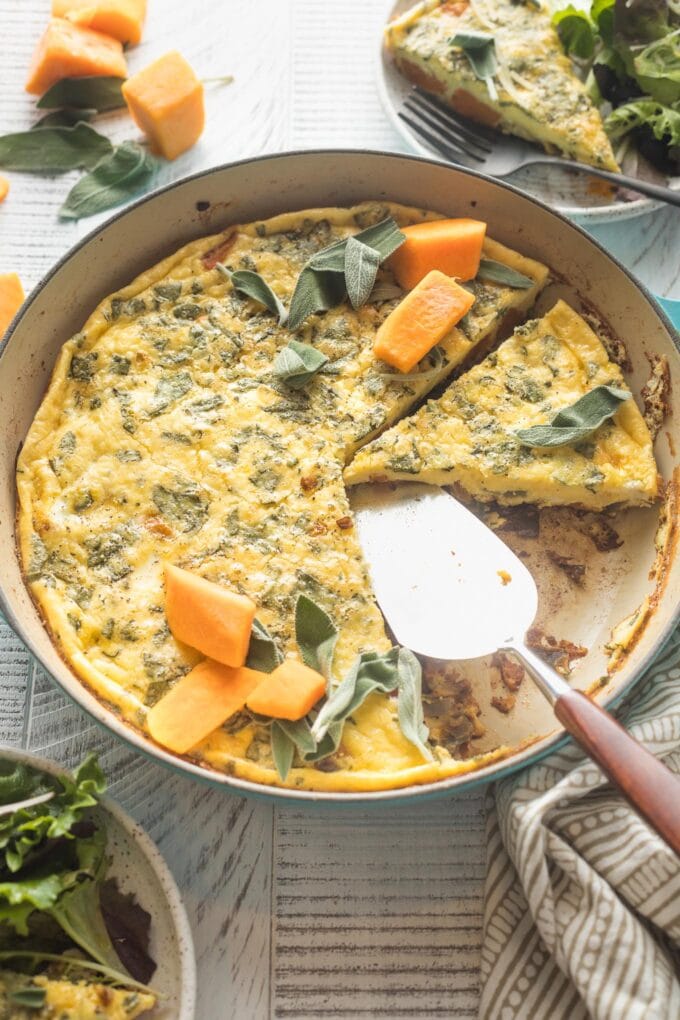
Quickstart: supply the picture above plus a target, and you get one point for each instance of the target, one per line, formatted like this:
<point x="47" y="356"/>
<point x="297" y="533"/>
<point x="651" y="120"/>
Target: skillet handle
<point x="646" y="783"/>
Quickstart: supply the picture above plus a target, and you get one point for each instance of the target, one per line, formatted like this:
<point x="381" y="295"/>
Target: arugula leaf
<point x="574" y="423"/>
<point x="92" y="92"/>
<point x="316" y="635"/>
<point x="263" y="652"/>
<point x="361" y="269"/>
<point x="254" y="286"/>
<point x="576" y="32"/>
<point x="315" y="291"/>
<point x="115" y="179"/>
<point x="54" y="149"/>
<point x="410" y="702"/>
<point x="489" y="269"/>
<point x="298" y="363"/>
<point x="664" y="121"/>
<point x="23" y="830"/>
<point x="283" y="750"/>
<point x="480" y="50"/>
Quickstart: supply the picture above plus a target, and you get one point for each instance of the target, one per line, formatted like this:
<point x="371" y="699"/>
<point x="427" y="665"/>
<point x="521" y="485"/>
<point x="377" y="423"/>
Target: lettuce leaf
<point x="664" y="121"/>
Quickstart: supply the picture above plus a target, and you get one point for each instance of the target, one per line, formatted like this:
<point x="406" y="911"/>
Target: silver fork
<point x="478" y="147"/>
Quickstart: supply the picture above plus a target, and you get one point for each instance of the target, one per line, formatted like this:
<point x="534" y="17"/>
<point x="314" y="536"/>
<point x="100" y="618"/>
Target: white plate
<point x="137" y="865"/>
<point x="569" y="192"/>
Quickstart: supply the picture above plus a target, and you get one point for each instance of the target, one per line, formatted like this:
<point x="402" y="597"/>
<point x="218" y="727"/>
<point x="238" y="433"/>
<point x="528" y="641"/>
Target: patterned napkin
<point x="582" y="899"/>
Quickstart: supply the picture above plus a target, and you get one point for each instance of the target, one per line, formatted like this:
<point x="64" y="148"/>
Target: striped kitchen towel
<point x="582" y="899"/>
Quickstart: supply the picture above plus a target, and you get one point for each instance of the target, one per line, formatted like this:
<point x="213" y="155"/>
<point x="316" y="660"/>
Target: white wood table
<point x="295" y="914"/>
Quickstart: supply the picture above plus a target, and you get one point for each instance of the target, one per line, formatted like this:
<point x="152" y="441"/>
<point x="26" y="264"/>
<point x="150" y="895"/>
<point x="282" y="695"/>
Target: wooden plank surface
<point x="295" y="914"/>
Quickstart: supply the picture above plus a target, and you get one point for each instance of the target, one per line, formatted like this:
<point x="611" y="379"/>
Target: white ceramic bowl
<point x="139" y="868"/>
<point x="141" y="235"/>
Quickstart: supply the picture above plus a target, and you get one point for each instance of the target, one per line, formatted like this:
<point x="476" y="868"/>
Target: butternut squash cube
<point x="4" y="188"/>
<point x="289" y="692"/>
<point x="69" y="51"/>
<point x="199" y="703"/>
<point x="11" y="299"/>
<point x="206" y="616"/>
<point x="122" y="19"/>
<point x="166" y="102"/>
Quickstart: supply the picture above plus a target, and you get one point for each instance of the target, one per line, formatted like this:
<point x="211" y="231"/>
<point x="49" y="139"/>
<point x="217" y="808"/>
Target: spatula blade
<point x="448" y="586"/>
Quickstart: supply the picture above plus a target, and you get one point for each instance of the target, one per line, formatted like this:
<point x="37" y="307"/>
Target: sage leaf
<point x="384" y="237"/>
<point x="300" y="733"/>
<point x="577" y="421"/>
<point x="489" y="269"/>
<point x="263" y="652"/>
<point x="314" y="292"/>
<point x="54" y="149"/>
<point x="298" y="363"/>
<point x="361" y="269"/>
<point x="31" y="997"/>
<point x="328" y="745"/>
<point x="117" y="178"/>
<point x="254" y="286"/>
<point x="316" y="635"/>
<point x="92" y="92"/>
<point x="63" y="118"/>
<point x="385" y="291"/>
<point x="480" y="50"/>
<point x="371" y="671"/>
<point x="410" y="702"/>
<point x="283" y="750"/>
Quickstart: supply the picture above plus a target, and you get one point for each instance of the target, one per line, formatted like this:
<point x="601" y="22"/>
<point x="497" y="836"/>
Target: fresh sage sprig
<point x="577" y="421"/>
<point x="263" y="652"/>
<point x="254" y="286"/>
<point x="480" y="50"/>
<point x="297" y="363"/>
<point x="489" y="269"/>
<point x="54" y="150"/>
<point x="63" y="119"/>
<point x="92" y="92"/>
<point x="316" y="635"/>
<point x="410" y="702"/>
<point x="287" y="737"/>
<point x="361" y="269"/>
<point x="323" y="283"/>
<point x="114" y="180"/>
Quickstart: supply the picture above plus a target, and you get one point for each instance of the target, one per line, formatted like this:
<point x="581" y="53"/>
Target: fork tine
<point x="453" y="155"/>
<point x="480" y="133"/>
<point x="437" y="122"/>
<point x="447" y="124"/>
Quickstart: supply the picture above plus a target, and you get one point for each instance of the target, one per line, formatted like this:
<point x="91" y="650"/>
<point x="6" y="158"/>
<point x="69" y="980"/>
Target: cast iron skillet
<point x="157" y="225"/>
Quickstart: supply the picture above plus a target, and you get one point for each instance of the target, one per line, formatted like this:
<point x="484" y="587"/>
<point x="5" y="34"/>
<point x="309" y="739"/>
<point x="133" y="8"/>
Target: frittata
<point x="167" y="437"/>
<point x="468" y="436"/>
<point x="533" y="92"/>
<point x="39" y="997"/>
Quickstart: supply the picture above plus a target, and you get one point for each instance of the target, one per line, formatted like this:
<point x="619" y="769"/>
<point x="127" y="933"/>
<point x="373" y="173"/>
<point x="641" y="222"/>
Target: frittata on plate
<point x="43" y="998"/>
<point x="533" y="93"/>
<point x="467" y="437"/>
<point x="170" y="435"/>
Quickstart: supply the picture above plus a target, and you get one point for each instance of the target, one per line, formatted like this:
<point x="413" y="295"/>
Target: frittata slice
<point x="467" y="437"/>
<point x="534" y="92"/>
<point x="60" y="999"/>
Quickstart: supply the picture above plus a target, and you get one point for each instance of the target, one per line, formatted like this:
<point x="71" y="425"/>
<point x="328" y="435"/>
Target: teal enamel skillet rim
<point x="409" y="165"/>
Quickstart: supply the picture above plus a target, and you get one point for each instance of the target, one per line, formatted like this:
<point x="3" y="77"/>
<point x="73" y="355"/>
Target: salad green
<point x="631" y="49"/>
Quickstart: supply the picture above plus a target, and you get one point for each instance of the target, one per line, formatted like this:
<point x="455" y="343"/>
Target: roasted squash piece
<point x="4" y="188"/>
<point x="288" y="692"/>
<point x="166" y="102"/>
<point x="452" y="246"/>
<point x="421" y="320"/>
<point x="216" y="621"/>
<point x="69" y="51"/>
<point x="11" y="299"/>
<point x="199" y="703"/>
<point x="122" y="19"/>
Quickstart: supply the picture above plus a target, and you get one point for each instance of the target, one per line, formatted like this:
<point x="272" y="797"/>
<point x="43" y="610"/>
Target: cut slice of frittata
<point x="467" y="437"/>
<point x="533" y="93"/>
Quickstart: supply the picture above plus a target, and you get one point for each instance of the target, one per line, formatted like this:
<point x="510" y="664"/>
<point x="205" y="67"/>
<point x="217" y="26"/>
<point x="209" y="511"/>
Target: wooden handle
<point x="651" y="788"/>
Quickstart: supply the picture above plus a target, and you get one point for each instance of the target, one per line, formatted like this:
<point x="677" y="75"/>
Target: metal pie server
<point x="451" y="589"/>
